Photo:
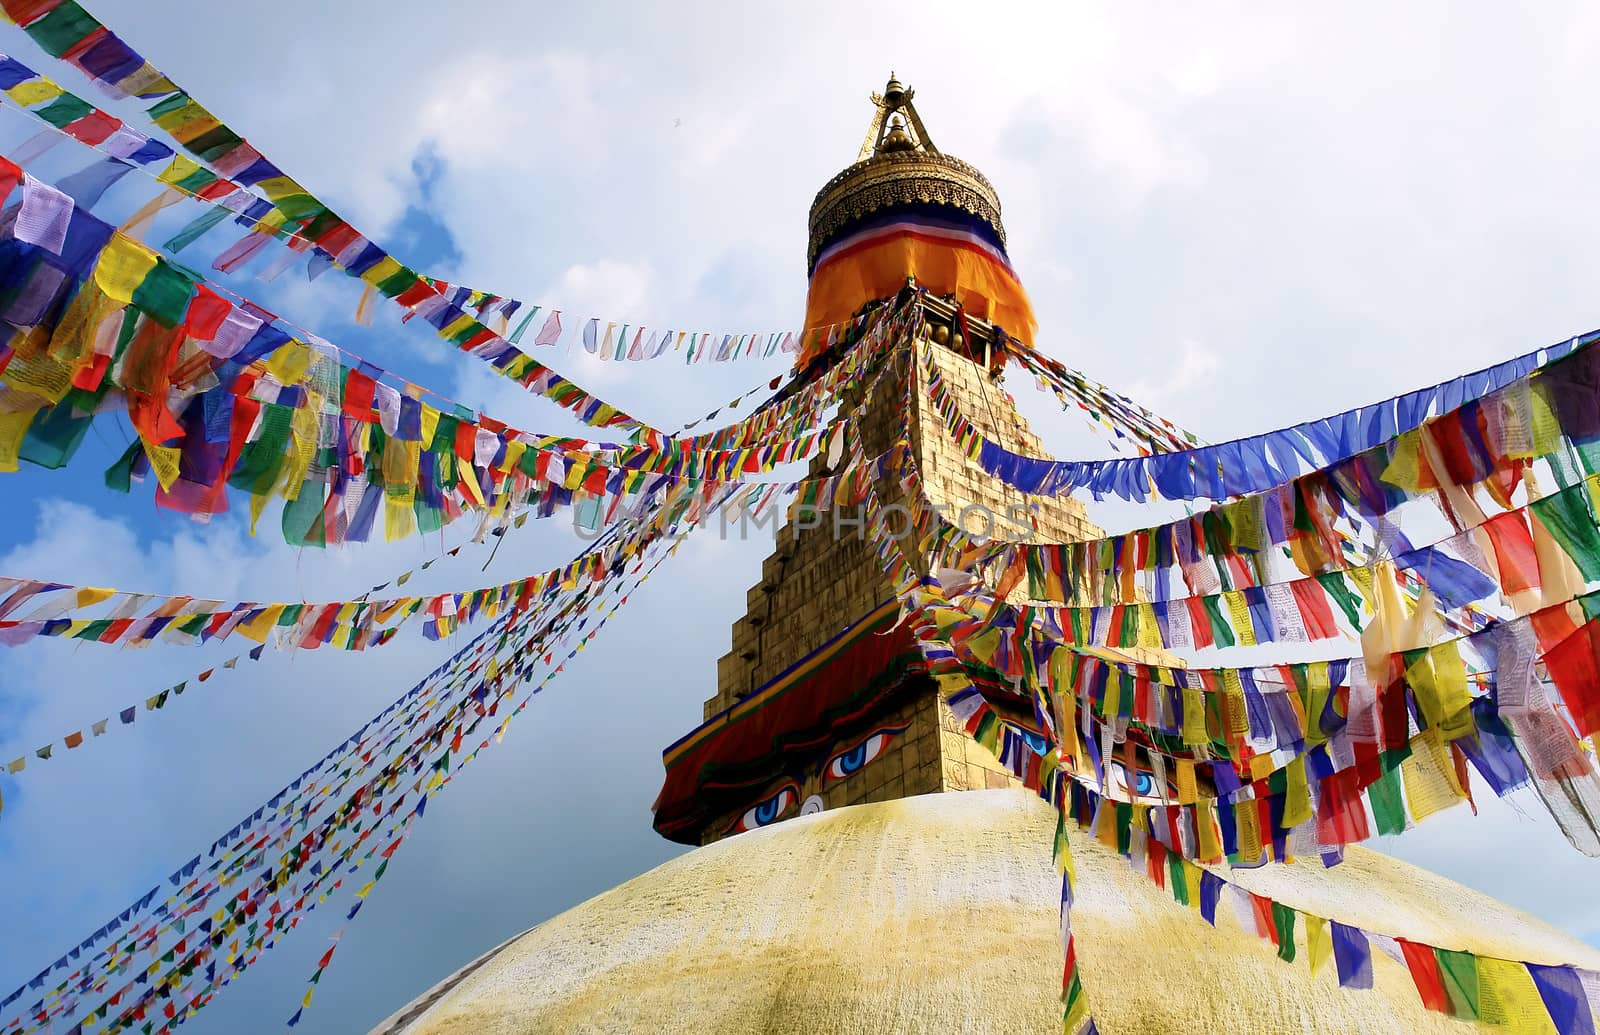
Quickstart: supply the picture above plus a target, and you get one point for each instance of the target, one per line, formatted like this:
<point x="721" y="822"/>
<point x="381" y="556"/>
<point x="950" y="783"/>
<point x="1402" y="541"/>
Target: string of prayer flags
<point x="14" y="592"/>
<point x="1350" y="732"/>
<point x="241" y="186"/>
<point x="1456" y="983"/>
<point x="1107" y="408"/>
<point x="127" y="716"/>
<point x="130" y="619"/>
<point x="1261" y="462"/>
<point x="271" y="416"/>
<point x="311" y="836"/>
<point x="290" y="214"/>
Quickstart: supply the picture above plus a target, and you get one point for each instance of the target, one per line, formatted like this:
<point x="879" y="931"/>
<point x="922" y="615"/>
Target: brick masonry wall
<point x="816" y="582"/>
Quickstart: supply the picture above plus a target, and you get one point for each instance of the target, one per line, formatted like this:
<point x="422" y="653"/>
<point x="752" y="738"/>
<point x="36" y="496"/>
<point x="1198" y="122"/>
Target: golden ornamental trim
<point x="899" y="178"/>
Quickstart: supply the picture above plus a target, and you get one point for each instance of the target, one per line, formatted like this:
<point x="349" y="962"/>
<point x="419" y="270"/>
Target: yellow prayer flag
<point x="34" y="91"/>
<point x="469" y="484"/>
<point x="513" y="457"/>
<point x="382" y="270"/>
<point x="1247" y="826"/>
<point x="1319" y="941"/>
<point x="398" y="519"/>
<point x="1429" y="777"/>
<point x="1508" y="998"/>
<point x="13" y="426"/>
<point x="1547" y="435"/>
<point x="257" y="628"/>
<point x="1234" y="712"/>
<point x="289" y="362"/>
<point x="1191" y="883"/>
<point x="163" y="461"/>
<point x="1187" y="788"/>
<point x="1438" y="679"/>
<point x="430" y="425"/>
<point x="180" y="168"/>
<point x="456" y="326"/>
<point x="122" y="267"/>
<point x="138" y="223"/>
<point x="1404" y="470"/>
<point x="1194" y="717"/>
<point x="1297" y="797"/>
<point x="1209" y="847"/>
<point x="1239" y="616"/>
<point x="88" y="595"/>
<point x="1149" y="631"/>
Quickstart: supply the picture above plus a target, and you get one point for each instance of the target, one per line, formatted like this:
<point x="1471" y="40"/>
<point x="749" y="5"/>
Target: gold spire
<point x="896" y="126"/>
<point x="898" y="165"/>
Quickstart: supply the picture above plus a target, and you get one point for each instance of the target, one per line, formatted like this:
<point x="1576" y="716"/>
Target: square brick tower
<point x="821" y="701"/>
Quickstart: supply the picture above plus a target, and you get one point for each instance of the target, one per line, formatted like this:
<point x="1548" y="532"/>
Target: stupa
<point x="840" y="884"/>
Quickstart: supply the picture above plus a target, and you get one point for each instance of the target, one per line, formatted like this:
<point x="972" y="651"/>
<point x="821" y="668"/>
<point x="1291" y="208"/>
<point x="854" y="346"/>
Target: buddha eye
<point x="1133" y="786"/>
<point x="848" y="762"/>
<point x="769" y="811"/>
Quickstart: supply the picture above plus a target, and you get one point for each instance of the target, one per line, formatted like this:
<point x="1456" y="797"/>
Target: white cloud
<point x="1193" y="374"/>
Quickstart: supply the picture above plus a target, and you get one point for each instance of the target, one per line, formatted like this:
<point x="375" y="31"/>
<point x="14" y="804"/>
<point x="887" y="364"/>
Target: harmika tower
<point x="819" y="704"/>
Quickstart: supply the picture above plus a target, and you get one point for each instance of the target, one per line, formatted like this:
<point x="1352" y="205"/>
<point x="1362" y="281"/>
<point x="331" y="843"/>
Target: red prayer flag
<point x="414" y="294"/>
<point x="358" y="393"/>
<point x="93" y="128"/>
<point x="207" y="310"/>
<point x="1155" y="862"/>
<point x="479" y="338"/>
<point x="1424" y="967"/>
<point x="1199" y="623"/>
<point x="1315" y="613"/>
<point x="1573" y="667"/>
<point x="10" y="176"/>
<point x="1266" y="925"/>
<point x="26" y="12"/>
<point x="88" y="376"/>
<point x="1342" y="817"/>
<point x="1513" y="549"/>
<point x="1551" y="625"/>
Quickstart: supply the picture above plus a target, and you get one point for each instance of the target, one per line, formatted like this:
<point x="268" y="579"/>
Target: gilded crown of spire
<point x="898" y="165"/>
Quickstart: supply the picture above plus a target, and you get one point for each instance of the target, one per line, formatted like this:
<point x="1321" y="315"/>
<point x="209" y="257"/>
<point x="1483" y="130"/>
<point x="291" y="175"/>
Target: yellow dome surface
<point x="938" y="914"/>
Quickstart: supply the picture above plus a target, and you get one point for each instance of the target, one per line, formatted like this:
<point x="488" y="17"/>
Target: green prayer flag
<point x="1220" y="630"/>
<point x="1283" y="919"/>
<point x="1388" y="806"/>
<point x="1334" y="583"/>
<point x="516" y="335"/>
<point x="54" y="436"/>
<point x="119" y="476"/>
<point x="165" y="294"/>
<point x="214" y="143"/>
<point x="192" y="233"/>
<point x="58" y="31"/>
<point x="302" y="516"/>
<point x="64" y="110"/>
<point x="1459" y="971"/>
<point x="1567" y="518"/>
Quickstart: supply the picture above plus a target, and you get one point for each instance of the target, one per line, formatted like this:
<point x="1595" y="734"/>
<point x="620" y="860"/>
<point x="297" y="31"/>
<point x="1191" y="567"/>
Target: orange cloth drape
<point x="843" y="283"/>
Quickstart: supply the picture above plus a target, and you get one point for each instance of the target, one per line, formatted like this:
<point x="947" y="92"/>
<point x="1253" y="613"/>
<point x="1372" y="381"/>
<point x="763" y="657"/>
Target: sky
<point x="1239" y="217"/>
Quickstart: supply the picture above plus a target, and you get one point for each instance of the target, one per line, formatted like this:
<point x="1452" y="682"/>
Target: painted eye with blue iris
<point x="769" y="811"/>
<point x="853" y="760"/>
<point x="1035" y="741"/>
<point x="1133" y="785"/>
